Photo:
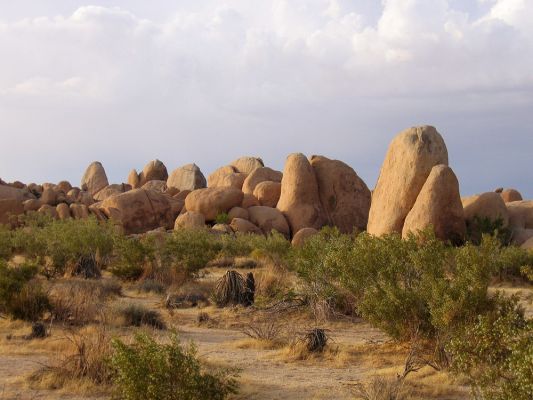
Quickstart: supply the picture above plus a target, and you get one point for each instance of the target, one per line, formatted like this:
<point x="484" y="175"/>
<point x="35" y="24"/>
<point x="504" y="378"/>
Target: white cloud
<point x="212" y="81"/>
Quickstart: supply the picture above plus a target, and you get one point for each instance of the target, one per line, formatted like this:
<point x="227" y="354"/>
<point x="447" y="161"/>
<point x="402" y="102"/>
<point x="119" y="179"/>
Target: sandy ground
<point x="265" y="373"/>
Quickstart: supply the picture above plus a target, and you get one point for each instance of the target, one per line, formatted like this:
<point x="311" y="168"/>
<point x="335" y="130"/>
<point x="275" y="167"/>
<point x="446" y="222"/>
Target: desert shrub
<point x="480" y="226"/>
<point x="381" y="388"/>
<point x="131" y="256"/>
<point x="6" y="242"/>
<point x="20" y="296"/>
<point x="190" y="249"/>
<point x="60" y="245"/>
<point x="412" y="287"/>
<point x="234" y="289"/>
<point x="513" y="263"/>
<point x="146" y="370"/>
<point x="85" y="357"/>
<point x="138" y="315"/>
<point x="222" y="218"/>
<point x="78" y="302"/>
<point x="267" y="330"/>
<point x="495" y="353"/>
<point x="151" y="285"/>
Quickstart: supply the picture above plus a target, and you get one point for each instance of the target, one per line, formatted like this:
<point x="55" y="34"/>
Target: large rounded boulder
<point x="438" y="205"/>
<point x="190" y="220"/>
<point x="520" y="214"/>
<point x="139" y="210"/>
<point x="187" y="177"/>
<point x="299" y="200"/>
<point x="509" y="195"/>
<point x="247" y="165"/>
<point x="213" y="201"/>
<point x="344" y="196"/>
<point x="268" y="193"/>
<point x="409" y="160"/>
<point x="154" y="170"/>
<point x="94" y="179"/>
<point x="268" y="219"/>
<point x="487" y="205"/>
<point x="258" y="175"/>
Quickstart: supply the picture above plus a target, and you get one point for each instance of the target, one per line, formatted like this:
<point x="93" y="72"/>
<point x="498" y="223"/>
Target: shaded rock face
<point x="238" y="212"/>
<point x="268" y="219"/>
<point x="299" y="200"/>
<point x="94" y="179"/>
<point x="438" y="205"/>
<point x="154" y="170"/>
<point x="520" y="214"/>
<point x="156" y="185"/>
<point x="9" y="192"/>
<point x="262" y="174"/>
<point x="486" y="205"/>
<point x="213" y="201"/>
<point x="139" y="210"/>
<point x="190" y="219"/>
<point x="249" y="200"/>
<point x="244" y="226"/>
<point x="9" y="209"/>
<point x="247" y="165"/>
<point x="268" y="193"/>
<point x="188" y="177"/>
<point x="344" y="197"/>
<point x="510" y="195"/>
<point x="409" y="160"/>
<point x="302" y="236"/>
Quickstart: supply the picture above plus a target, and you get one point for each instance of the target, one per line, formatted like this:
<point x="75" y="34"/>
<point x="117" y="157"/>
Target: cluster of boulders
<point x="416" y="189"/>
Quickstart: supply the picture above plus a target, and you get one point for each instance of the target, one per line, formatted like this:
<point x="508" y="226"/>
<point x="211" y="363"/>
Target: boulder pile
<point x="416" y="189"/>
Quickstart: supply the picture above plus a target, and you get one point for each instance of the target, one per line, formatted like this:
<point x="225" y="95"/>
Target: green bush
<point x="417" y="286"/>
<point x="146" y="370"/>
<point x="6" y="242"/>
<point x="20" y="297"/>
<point x="61" y="244"/>
<point x="480" y="226"/>
<point x="496" y="353"/>
<point x="222" y="218"/>
<point x="132" y="254"/>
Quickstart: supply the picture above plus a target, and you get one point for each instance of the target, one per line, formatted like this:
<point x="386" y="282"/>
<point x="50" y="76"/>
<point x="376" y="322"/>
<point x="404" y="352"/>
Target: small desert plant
<point x="138" y="315"/>
<point x="268" y="330"/>
<point x="222" y="218"/>
<point x="146" y="370"/>
<point x="150" y="285"/>
<point x="233" y="289"/>
<point x="381" y="388"/>
<point x="85" y="358"/>
<point x="191" y="294"/>
<point x="21" y="297"/>
<point x="495" y="353"/>
<point x="315" y="340"/>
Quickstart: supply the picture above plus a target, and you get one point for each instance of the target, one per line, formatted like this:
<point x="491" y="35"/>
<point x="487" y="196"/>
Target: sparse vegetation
<point x="138" y="315"/>
<point x="146" y="370"/>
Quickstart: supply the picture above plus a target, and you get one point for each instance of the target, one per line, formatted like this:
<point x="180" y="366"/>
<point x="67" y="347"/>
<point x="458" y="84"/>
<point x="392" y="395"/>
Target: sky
<point x="126" y="82"/>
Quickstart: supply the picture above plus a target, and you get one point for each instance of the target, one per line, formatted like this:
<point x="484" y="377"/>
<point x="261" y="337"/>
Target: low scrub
<point x="138" y="315"/>
<point x="147" y="370"/>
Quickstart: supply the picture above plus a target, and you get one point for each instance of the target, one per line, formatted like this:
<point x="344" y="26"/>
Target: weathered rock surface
<point x="48" y="210"/>
<point x="268" y="219"/>
<point x="409" y="160"/>
<point x="520" y="236"/>
<point x="222" y="228"/>
<point x="94" y="179"/>
<point x="154" y="170"/>
<point x="247" y="164"/>
<point x="486" y="205"/>
<point x="156" y="185"/>
<point x="344" y="196"/>
<point x="249" y="200"/>
<point x="79" y="211"/>
<point x="32" y="205"/>
<point x="139" y="210"/>
<point x="213" y="201"/>
<point x="509" y="195"/>
<point x="191" y="220"/>
<point x="133" y="179"/>
<point x="111" y="190"/>
<point x="520" y="214"/>
<point x="63" y="211"/>
<point x="299" y="201"/>
<point x="226" y="177"/>
<point x="244" y="226"/>
<point x="268" y="193"/>
<point x="302" y="236"/>
<point x="10" y="208"/>
<point x="528" y="244"/>
<point x="438" y="205"/>
<point x="187" y="177"/>
<point x="238" y="212"/>
<point x="258" y="175"/>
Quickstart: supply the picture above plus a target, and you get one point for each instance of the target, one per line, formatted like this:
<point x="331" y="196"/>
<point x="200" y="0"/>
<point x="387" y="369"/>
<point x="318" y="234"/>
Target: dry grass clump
<point x="191" y="294"/>
<point x="310" y="344"/>
<point x="84" y="358"/>
<point x="78" y="302"/>
<point x="381" y="388"/>
<point x="133" y="314"/>
<point x="150" y="286"/>
<point x="234" y="289"/>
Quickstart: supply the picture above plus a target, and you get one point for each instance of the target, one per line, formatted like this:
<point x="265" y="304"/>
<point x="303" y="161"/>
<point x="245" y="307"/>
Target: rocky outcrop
<point x="213" y="201"/>
<point x="509" y="195"/>
<point x="154" y="170"/>
<point x="190" y="220"/>
<point x="262" y="174"/>
<point x="139" y="210"/>
<point x="268" y="219"/>
<point x="344" y="196"/>
<point x="9" y="210"/>
<point x="438" y="205"/>
<point x="487" y="205"/>
<point x="247" y="165"/>
<point x="94" y="179"/>
<point x="409" y="160"/>
<point x="187" y="177"/>
<point x="268" y="193"/>
<point x="299" y="200"/>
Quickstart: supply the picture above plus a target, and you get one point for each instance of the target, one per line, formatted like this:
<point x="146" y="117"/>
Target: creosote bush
<point x="147" y="370"/>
